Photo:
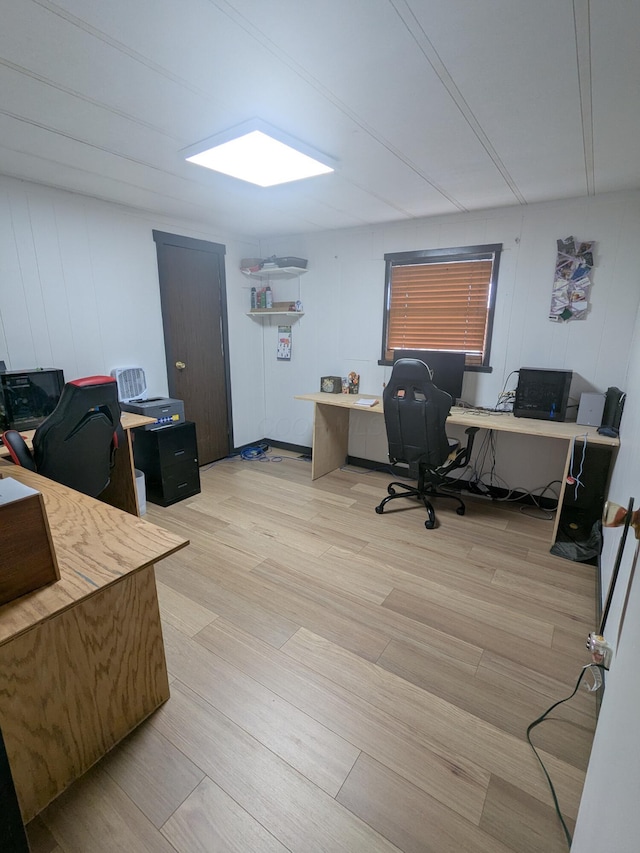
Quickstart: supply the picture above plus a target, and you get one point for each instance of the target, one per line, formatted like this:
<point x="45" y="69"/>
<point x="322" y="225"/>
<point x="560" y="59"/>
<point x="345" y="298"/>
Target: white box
<point x="591" y="409"/>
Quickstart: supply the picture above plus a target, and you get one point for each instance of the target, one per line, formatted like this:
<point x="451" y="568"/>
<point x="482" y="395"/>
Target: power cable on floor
<point x="537" y="722"/>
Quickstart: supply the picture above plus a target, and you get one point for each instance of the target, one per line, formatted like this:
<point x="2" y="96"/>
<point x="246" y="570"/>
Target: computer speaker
<point x="612" y="415"/>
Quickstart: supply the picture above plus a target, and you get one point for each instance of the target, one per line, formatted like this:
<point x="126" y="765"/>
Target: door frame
<point x="164" y="238"/>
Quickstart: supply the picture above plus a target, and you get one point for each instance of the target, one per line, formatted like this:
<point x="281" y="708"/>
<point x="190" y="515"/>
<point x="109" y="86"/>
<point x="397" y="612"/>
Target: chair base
<point x="421" y="493"/>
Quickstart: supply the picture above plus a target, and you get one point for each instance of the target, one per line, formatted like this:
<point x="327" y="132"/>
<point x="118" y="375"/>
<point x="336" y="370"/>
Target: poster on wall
<point x="284" y="343"/>
<point x="572" y="282"/>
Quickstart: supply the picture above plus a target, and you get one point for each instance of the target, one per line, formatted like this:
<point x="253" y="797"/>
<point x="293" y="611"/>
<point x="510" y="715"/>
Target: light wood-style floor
<point x="343" y="681"/>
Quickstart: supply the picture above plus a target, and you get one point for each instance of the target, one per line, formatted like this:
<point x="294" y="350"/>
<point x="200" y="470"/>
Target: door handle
<point x="180" y="365"/>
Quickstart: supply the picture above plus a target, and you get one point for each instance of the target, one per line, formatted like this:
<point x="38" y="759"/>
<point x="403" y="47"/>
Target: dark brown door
<point x="194" y="315"/>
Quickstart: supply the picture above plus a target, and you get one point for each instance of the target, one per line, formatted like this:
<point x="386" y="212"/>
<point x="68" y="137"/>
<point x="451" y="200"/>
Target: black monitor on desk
<point x="447" y="367"/>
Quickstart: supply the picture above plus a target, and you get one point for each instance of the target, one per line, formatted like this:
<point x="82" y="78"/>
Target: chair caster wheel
<point x="429" y="524"/>
<point x="460" y="510"/>
<point x="379" y="510"/>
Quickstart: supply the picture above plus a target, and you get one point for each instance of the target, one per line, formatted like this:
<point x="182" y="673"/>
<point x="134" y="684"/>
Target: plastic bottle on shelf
<point x="254" y="299"/>
<point x="268" y="298"/>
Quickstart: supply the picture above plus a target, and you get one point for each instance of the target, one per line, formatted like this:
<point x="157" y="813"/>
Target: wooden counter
<point x="82" y="660"/>
<point x="502" y="421"/>
<point x="331" y="433"/>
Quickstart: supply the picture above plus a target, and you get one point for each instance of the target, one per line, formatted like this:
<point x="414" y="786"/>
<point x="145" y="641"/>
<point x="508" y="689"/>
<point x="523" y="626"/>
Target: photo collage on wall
<point x="572" y="282"/>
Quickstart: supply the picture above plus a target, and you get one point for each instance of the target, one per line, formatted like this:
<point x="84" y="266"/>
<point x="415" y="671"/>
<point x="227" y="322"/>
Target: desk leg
<point x="121" y="491"/>
<point x="75" y="685"/>
<point x="330" y="439"/>
<point x="563" y="489"/>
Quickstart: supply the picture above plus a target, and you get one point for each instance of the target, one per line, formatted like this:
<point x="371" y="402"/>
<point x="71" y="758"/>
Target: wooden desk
<point x="82" y="660"/>
<point x="331" y="432"/>
<point x="121" y="491"/>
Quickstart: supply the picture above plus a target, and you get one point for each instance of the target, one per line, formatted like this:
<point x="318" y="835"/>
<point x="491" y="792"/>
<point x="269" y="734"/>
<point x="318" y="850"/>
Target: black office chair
<point x="415" y="414"/>
<point x="76" y="444"/>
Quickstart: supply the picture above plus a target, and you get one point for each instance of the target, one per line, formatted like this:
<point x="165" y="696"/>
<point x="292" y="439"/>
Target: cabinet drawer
<point x="176" y="443"/>
<point x="178" y="481"/>
<point x="159" y="447"/>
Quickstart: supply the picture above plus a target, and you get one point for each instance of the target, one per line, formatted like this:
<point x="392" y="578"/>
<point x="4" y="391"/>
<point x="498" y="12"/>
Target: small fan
<point x="132" y="384"/>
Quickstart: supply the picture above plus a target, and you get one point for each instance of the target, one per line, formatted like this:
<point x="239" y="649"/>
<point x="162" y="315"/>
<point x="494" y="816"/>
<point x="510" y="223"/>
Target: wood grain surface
<point x="78" y="683"/>
<point x="27" y="556"/>
<point x="82" y="660"/>
<point x="343" y="681"/>
<point x="95" y="545"/>
<point x="503" y="421"/>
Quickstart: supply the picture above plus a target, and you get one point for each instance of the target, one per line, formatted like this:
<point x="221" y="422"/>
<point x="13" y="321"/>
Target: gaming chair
<point x="415" y="414"/>
<point x="76" y="443"/>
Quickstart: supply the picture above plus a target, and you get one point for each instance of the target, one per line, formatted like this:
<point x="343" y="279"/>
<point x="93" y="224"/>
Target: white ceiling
<point x="430" y="106"/>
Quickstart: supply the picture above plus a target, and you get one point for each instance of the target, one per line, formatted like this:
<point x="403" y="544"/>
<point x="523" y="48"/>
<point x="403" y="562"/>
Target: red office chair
<point x="76" y="444"/>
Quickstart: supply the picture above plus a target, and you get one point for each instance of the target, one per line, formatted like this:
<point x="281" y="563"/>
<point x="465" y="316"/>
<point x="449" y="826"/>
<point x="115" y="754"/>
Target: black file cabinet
<point x="169" y="459"/>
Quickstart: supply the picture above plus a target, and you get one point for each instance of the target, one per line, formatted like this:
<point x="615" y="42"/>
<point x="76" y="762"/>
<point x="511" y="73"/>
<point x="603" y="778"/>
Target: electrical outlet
<point x="600" y="650"/>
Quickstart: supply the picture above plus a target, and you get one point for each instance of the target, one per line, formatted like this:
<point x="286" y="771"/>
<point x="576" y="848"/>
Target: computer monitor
<point x="28" y="396"/>
<point x="447" y="367"/>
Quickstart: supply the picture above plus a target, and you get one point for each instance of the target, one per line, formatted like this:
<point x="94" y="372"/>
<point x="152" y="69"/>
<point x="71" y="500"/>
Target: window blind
<point x="440" y="306"/>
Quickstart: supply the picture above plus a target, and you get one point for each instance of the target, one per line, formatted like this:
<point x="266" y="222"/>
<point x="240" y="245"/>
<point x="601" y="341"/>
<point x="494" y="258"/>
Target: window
<point x="441" y="299"/>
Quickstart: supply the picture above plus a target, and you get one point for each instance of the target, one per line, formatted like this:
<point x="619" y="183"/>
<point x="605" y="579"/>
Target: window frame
<point x="491" y="251"/>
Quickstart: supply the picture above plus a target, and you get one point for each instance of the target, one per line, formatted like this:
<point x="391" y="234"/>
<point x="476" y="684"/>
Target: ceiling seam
<point x="134" y="210"/>
<point x="259" y="36"/>
<point x="87" y="172"/>
<point x="138" y="188"/>
<point x="69" y="136"/>
<point x="120" y="46"/>
<point x="283" y="57"/>
<point x="144" y="165"/>
<point x="19" y="69"/>
<point x="425" y="45"/>
<point x="582" y="26"/>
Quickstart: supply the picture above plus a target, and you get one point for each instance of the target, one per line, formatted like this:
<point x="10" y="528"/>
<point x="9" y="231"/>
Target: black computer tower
<point x="542" y="394"/>
<point x="584" y="500"/>
<point x="27" y="397"/>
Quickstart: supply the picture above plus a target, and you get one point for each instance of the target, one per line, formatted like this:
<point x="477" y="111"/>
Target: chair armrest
<point x="460" y="456"/>
<point x="465" y="456"/>
<point x="18" y="450"/>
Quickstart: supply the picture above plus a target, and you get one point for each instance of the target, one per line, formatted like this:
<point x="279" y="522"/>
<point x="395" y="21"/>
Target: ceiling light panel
<point x="260" y="154"/>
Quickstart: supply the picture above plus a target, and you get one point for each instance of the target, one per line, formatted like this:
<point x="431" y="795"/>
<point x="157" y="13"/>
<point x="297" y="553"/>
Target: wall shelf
<point x="274" y="312"/>
<point x="274" y="272"/>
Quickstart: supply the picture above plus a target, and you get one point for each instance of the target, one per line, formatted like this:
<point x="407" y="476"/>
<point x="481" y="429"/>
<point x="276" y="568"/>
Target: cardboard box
<point x="27" y="556"/>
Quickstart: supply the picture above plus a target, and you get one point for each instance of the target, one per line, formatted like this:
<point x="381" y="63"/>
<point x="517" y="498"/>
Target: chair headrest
<point x="88" y="381"/>
<point x="410" y="378"/>
<point x="412" y="368"/>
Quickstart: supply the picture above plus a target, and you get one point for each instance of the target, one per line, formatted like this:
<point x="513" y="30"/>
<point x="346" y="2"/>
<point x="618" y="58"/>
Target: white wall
<point x="343" y="293"/>
<point x="79" y="291"/>
<point x="609" y="818"/>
